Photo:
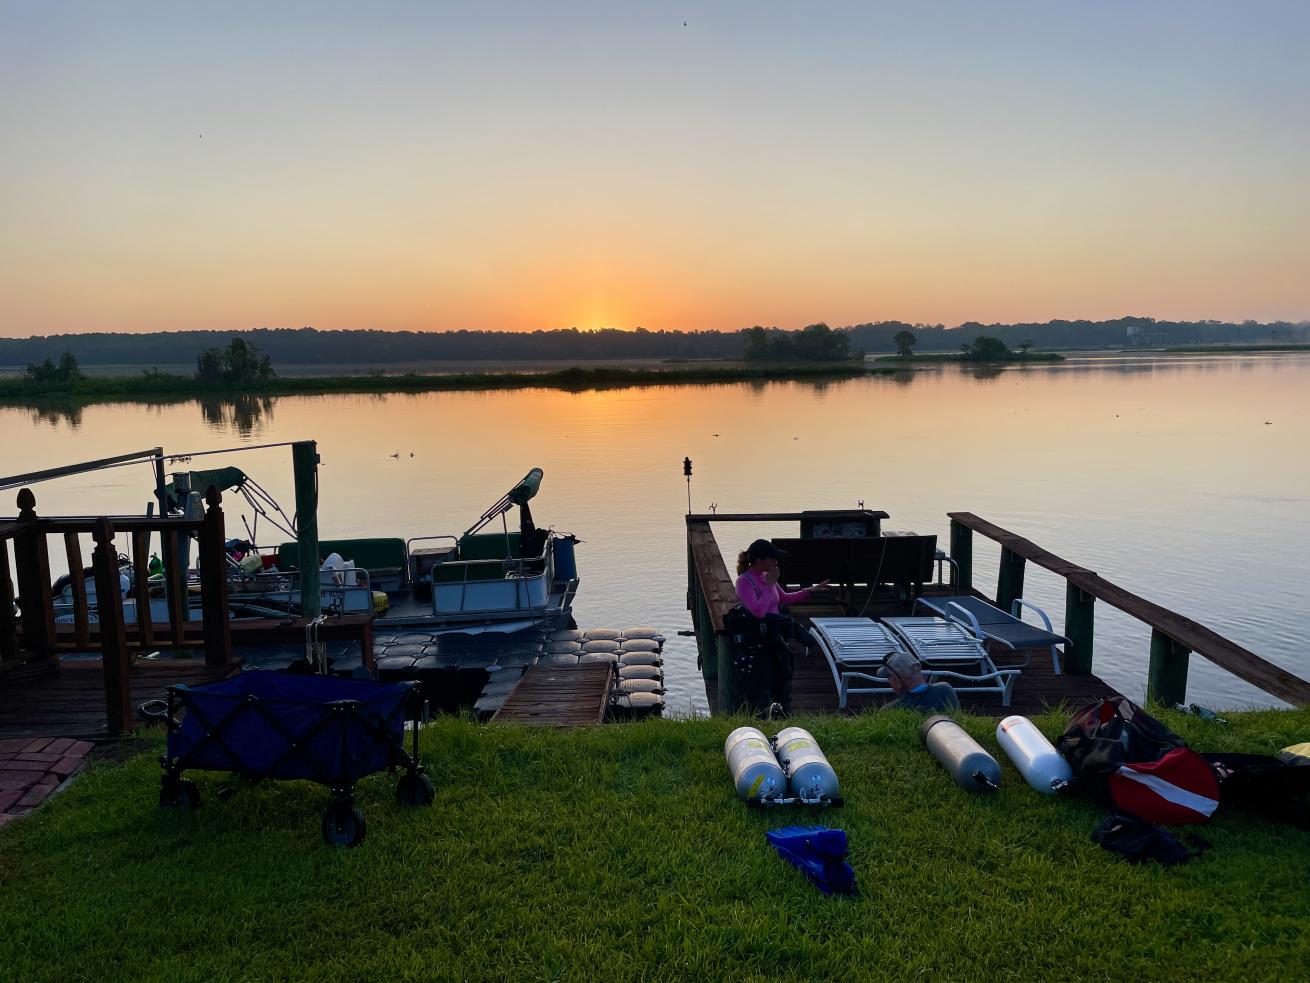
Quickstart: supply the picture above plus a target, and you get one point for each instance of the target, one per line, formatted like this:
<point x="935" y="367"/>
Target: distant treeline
<point x="292" y="346"/>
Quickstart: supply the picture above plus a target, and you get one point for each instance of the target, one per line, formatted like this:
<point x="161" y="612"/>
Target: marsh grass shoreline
<point x="960" y="359"/>
<point x="151" y="386"/>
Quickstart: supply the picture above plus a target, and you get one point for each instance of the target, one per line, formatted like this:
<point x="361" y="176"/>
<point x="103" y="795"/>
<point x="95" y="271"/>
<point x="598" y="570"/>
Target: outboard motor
<point x="964" y="758"/>
<point x="1040" y="764"/>
<point x="809" y="775"/>
<point x="755" y="769"/>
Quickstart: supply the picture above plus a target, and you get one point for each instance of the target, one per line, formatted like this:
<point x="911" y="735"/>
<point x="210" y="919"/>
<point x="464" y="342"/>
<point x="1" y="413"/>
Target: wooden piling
<point x="1009" y="580"/>
<point x="962" y="554"/>
<point x="1166" y="675"/>
<point x="1080" y="629"/>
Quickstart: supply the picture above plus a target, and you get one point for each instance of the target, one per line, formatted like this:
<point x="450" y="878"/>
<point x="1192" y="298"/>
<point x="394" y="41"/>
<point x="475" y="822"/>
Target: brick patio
<point x="32" y="768"/>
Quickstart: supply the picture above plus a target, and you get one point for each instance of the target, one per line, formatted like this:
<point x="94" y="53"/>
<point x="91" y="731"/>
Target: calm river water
<point x="1185" y="479"/>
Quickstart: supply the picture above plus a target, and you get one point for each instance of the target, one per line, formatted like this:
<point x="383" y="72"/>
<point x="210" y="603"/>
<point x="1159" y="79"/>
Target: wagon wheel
<point x="415" y="789"/>
<point x="343" y="824"/>
<point x="178" y="793"/>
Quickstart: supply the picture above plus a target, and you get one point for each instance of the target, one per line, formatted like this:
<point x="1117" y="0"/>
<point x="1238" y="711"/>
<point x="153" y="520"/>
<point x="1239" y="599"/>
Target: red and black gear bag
<point x="1129" y="761"/>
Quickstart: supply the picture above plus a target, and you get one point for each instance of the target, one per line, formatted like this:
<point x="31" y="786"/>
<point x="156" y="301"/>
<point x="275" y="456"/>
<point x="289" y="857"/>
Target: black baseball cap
<point x="762" y="549"/>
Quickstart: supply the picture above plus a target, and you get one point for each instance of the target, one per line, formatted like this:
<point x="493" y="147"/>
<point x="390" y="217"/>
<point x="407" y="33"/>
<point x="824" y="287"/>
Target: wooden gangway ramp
<point x="559" y="696"/>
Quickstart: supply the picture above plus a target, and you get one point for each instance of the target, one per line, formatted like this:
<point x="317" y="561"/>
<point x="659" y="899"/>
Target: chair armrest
<point x="967" y="619"/>
<point x="1016" y="611"/>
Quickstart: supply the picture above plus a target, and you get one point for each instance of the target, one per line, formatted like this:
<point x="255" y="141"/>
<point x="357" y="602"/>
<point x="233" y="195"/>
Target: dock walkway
<point x="559" y="696"/>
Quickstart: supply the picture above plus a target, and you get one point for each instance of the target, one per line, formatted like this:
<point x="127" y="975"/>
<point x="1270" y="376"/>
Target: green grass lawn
<point x="621" y="852"/>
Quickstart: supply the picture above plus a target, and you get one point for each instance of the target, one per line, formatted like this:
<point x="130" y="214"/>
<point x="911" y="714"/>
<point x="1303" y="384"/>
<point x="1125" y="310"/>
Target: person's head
<point x="759" y="556"/>
<point x="903" y="672"/>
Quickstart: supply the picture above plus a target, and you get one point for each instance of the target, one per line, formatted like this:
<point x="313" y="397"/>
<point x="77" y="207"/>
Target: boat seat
<point x="385" y="558"/>
<point x="488" y="546"/>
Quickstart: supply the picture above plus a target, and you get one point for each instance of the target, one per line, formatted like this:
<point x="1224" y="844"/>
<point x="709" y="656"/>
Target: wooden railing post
<point x="113" y="639"/>
<point x="1009" y="580"/>
<point x="141" y="589"/>
<point x="81" y="611"/>
<point x="962" y="554"/>
<point x="1079" y="628"/>
<point x="213" y="583"/>
<point x="33" y="563"/>
<point x="1166" y="676"/>
<point x="8" y="623"/>
<point x="175" y="574"/>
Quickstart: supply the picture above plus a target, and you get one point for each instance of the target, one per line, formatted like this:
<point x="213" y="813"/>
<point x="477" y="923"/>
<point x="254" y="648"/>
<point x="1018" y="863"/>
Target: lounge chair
<point x="855" y="649"/>
<point x="990" y="622"/>
<point x="950" y="649"/>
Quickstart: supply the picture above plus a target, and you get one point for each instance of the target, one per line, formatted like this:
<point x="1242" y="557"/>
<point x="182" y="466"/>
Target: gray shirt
<point x="934" y="698"/>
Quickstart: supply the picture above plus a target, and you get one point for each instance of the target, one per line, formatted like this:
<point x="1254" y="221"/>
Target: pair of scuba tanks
<point x="788" y="770"/>
<point x="792" y="770"/>
<point x="973" y="769"/>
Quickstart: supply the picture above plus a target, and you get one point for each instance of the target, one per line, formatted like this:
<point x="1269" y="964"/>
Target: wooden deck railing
<point x="1173" y="637"/>
<point x="35" y="636"/>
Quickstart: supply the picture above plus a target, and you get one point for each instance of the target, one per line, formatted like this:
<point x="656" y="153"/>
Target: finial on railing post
<point x="213" y="497"/>
<point x="26" y="504"/>
<point x="102" y="531"/>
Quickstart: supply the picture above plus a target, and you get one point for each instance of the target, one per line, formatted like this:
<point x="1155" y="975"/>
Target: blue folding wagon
<point x="262" y="724"/>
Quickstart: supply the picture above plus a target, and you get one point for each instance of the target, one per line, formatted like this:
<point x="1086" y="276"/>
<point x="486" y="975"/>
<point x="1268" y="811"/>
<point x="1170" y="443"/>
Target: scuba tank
<point x="755" y="770"/>
<point x="963" y="757"/>
<point x="809" y="775"/>
<point x="1040" y="764"/>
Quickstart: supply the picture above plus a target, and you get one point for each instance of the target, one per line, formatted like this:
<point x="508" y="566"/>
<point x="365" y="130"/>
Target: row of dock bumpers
<point x="637" y="655"/>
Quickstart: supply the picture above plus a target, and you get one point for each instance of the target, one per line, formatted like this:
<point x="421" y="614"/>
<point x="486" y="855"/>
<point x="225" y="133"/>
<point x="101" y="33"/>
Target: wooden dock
<point x="877" y="575"/>
<point x="70" y="702"/>
<point x="559" y="696"/>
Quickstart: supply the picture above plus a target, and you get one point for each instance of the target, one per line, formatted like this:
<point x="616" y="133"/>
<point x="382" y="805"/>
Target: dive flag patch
<point x="1178" y="789"/>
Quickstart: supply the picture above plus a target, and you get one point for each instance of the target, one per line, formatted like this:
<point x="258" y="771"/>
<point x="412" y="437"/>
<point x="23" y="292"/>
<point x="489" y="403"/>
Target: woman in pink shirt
<point x="758" y="590"/>
<point x="757" y="585"/>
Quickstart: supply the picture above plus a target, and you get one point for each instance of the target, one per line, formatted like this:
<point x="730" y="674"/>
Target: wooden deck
<point x="559" y="696"/>
<point x="1037" y="690"/>
<point x="71" y="702"/>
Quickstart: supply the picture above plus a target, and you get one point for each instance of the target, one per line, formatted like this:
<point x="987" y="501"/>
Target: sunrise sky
<point x="518" y="166"/>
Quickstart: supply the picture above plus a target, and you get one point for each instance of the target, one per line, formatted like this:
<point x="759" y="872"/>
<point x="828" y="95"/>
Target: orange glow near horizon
<point x="468" y="168"/>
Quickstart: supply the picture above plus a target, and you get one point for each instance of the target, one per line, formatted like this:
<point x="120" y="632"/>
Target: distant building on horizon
<point x="1140" y="337"/>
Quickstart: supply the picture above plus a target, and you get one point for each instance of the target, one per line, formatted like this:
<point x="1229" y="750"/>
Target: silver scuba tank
<point x="962" y="757"/>
<point x="755" y="769"/>
<point x="1040" y="764"/>
<point x="809" y="775"/>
